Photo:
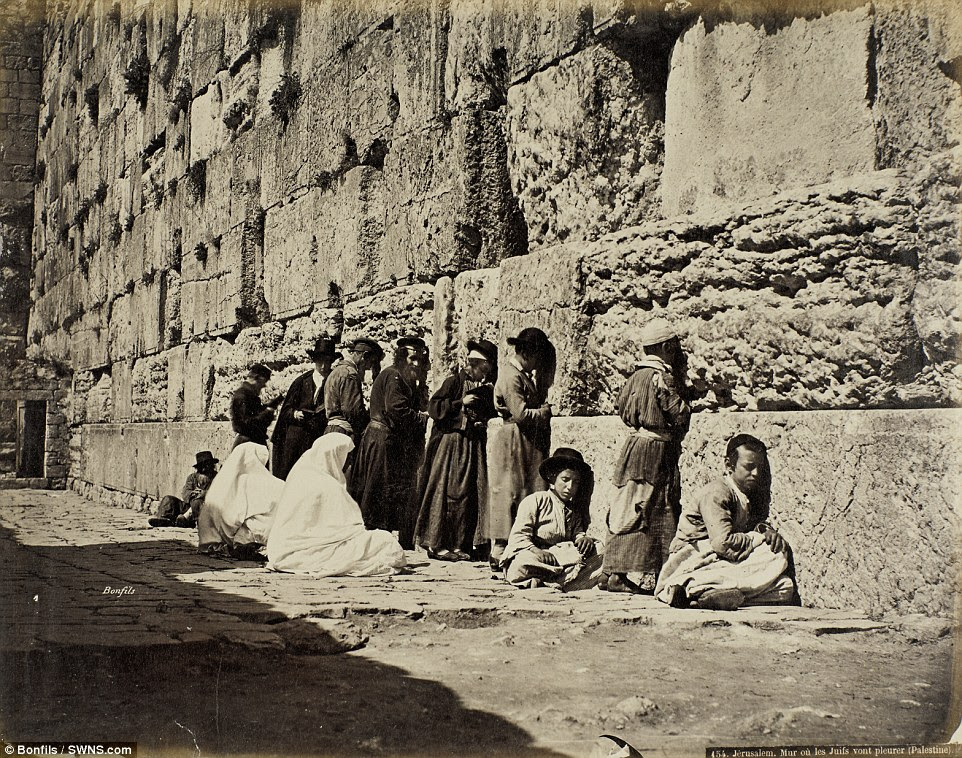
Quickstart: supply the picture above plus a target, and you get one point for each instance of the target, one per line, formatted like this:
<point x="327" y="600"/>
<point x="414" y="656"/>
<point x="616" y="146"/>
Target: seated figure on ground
<point x="318" y="527"/>
<point x="725" y="554"/>
<point x="239" y="509"/>
<point x="548" y="543"/>
<point x="183" y="511"/>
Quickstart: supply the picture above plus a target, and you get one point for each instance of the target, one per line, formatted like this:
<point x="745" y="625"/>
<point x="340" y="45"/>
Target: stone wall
<point x="224" y="183"/>
<point x="21" y="42"/>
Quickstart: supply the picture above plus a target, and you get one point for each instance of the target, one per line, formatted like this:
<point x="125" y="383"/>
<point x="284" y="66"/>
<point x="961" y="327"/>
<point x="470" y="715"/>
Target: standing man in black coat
<point x="302" y="418"/>
<point x="248" y="415"/>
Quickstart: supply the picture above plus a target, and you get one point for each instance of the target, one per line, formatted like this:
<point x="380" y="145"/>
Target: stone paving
<point x="82" y="573"/>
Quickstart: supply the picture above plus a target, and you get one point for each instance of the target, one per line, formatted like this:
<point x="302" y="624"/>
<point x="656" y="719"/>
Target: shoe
<point x="460" y="555"/>
<point x="442" y="555"/>
<point x="184" y="522"/>
<point x="158" y="521"/>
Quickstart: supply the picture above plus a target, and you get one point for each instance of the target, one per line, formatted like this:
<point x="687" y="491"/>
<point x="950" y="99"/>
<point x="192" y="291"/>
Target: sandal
<point x="620" y="583"/>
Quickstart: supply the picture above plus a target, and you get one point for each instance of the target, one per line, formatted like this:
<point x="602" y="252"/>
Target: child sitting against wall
<point x="183" y="511"/>
<point x="548" y="543"/>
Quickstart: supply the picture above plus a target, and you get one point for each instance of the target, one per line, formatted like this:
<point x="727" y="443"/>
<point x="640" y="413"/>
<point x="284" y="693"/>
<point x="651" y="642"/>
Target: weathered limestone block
<point x="301" y="333"/>
<point x="586" y="143"/>
<point x="419" y="50"/>
<point x="849" y="490"/>
<point x="324" y="245"/>
<point x="737" y="95"/>
<point x="147" y="459"/>
<point x="200" y="365"/>
<point x="211" y="284"/>
<point x="175" y="382"/>
<point x="149" y="389"/>
<point x="206" y="27"/>
<point x="207" y="130"/>
<point x="465" y="308"/>
<point x="918" y="106"/>
<point x="803" y="301"/>
<point x="387" y="316"/>
<point x="121" y="391"/>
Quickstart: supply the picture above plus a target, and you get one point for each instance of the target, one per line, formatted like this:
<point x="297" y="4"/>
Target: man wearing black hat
<point x="454" y="479"/>
<point x="343" y="396"/>
<point x="183" y="511"/>
<point x="249" y="416"/>
<point x="302" y="419"/>
<point x="383" y="475"/>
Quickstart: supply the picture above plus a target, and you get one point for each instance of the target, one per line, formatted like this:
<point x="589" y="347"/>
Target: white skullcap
<point x="656" y="331"/>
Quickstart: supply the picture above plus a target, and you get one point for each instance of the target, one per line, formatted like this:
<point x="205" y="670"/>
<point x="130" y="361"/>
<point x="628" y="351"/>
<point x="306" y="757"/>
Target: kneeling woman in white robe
<point x="318" y="528"/>
<point x="239" y="507"/>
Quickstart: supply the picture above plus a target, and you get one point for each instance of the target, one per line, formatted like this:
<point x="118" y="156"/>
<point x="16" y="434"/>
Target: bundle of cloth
<point x="318" y="528"/>
<point x="239" y="508"/>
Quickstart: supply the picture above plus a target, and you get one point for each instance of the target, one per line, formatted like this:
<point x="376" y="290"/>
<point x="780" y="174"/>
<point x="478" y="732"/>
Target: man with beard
<point x="302" y="419"/>
<point x="384" y="473"/>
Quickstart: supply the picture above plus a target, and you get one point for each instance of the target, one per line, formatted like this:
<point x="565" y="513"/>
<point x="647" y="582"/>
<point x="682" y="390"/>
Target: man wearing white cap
<point x="644" y="511"/>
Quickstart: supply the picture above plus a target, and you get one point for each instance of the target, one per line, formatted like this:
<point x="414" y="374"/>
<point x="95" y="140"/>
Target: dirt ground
<point x="523" y="687"/>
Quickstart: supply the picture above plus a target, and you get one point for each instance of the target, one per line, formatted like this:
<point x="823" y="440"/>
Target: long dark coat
<point x="454" y="479"/>
<point x="293" y="438"/>
<point x="383" y="476"/>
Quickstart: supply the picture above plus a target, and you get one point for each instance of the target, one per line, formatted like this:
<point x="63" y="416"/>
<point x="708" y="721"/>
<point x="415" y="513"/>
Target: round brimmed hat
<point x="205" y="457"/>
<point x="484" y="350"/>
<point x="366" y="345"/>
<point x="532" y="338"/>
<point x="413" y="342"/>
<point x="656" y="331"/>
<point x="562" y="458"/>
<point x="323" y="348"/>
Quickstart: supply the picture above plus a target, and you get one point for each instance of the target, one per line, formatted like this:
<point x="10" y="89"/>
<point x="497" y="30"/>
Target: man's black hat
<point x="488" y="349"/>
<point x="259" y="369"/>
<point x="323" y="348"/>
<point x="532" y="338"/>
<point x="563" y="457"/>
<point x="413" y="342"/>
<point x="366" y="345"/>
<point x="205" y="457"/>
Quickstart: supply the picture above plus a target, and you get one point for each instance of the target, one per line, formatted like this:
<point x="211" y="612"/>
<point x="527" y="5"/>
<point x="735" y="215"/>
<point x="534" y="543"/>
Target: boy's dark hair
<point x="259" y="369"/>
<point x="743" y="440"/>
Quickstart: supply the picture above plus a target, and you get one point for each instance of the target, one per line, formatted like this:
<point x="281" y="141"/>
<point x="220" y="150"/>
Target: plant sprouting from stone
<point x="179" y="101"/>
<point x="137" y="79"/>
<point x="236" y="114"/>
<point x="100" y="194"/>
<point x="114" y="229"/>
<point x="129" y="222"/>
<point x="40" y="171"/>
<point x="195" y="181"/>
<point x="200" y="252"/>
<point x="72" y="169"/>
<point x="286" y="97"/>
<point x="92" y="101"/>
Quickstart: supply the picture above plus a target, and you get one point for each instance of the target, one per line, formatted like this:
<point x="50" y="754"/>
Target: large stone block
<point x="211" y="284"/>
<point x="392" y="314"/>
<point x="754" y="108"/>
<point x="586" y="142"/>
<point x="465" y="308"/>
<point x="149" y="389"/>
<point x="121" y="391"/>
<point x="849" y="490"/>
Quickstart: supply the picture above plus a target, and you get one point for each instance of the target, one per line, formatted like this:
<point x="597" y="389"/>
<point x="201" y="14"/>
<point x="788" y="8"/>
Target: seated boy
<point x="547" y="543"/>
<point x="183" y="511"/>
<point x="724" y="554"/>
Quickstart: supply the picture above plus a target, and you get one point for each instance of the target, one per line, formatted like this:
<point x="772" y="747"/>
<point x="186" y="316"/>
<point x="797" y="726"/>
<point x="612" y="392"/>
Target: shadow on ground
<point x="182" y="668"/>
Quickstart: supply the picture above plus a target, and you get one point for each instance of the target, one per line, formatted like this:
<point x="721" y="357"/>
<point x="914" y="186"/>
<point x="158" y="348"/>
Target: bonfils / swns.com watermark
<point x="70" y="748"/>
<point x="119" y="592"/>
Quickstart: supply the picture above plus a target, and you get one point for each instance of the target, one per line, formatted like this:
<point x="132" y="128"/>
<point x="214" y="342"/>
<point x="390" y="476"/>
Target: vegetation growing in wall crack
<point x="236" y="114"/>
<point x="71" y="172"/>
<point x="179" y="101"/>
<point x="200" y="252"/>
<point x="92" y="101"/>
<point x="137" y="79"/>
<point x="114" y="229"/>
<point x="100" y="194"/>
<point x="195" y="181"/>
<point x="40" y="171"/>
<point x="286" y="97"/>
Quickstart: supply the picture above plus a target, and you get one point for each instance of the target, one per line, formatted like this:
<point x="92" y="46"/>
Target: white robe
<point x="239" y="506"/>
<point x="318" y="528"/>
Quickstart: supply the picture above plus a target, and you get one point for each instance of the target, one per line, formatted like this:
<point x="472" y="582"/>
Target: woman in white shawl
<point x="318" y="527"/>
<point x="239" y="507"/>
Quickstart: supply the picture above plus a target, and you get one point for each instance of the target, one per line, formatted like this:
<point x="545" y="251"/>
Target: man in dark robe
<point x="302" y="419"/>
<point x="343" y="396"/>
<point x="249" y="416"/>
<point x="183" y="511"/>
<point x="383" y="476"/>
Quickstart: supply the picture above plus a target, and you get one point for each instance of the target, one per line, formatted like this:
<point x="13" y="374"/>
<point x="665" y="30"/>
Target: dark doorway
<point x="31" y="437"/>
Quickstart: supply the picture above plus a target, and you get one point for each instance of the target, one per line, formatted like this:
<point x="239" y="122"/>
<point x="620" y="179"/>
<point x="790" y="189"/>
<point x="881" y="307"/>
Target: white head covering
<point x="656" y="331"/>
<point x="318" y="526"/>
<point x="241" y="499"/>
